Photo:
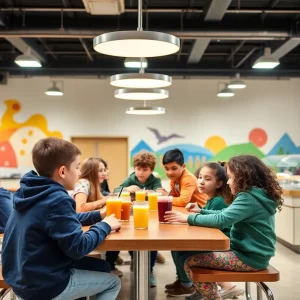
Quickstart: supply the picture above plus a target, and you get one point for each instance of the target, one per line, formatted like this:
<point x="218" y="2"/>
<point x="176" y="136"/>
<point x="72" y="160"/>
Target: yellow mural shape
<point x="215" y="144"/>
<point x="38" y="120"/>
<point x="18" y="138"/>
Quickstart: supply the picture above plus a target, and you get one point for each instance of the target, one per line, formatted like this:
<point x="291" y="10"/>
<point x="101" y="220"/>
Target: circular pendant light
<point x="267" y="61"/>
<point x="146" y="110"/>
<point x="136" y="62"/>
<point x="141" y="94"/>
<point x="140" y="80"/>
<point x="237" y="83"/>
<point x="136" y="43"/>
<point x="54" y="91"/>
<point x="27" y="60"/>
<point x="226" y="92"/>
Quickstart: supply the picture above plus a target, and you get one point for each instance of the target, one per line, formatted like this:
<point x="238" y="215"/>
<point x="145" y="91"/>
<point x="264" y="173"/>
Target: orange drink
<point x="125" y="207"/>
<point x="141" y="214"/>
<point x="152" y="199"/>
<point x="140" y="195"/>
<point x="113" y="206"/>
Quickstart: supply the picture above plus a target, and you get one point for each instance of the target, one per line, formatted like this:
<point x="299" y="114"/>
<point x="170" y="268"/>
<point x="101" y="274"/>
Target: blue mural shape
<point x="141" y="146"/>
<point x="285" y="146"/>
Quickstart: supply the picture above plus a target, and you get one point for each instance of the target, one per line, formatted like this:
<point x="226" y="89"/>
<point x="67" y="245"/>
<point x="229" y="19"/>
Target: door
<point x="114" y="150"/>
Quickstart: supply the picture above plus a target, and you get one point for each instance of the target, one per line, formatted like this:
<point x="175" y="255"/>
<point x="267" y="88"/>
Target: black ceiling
<point x="64" y="38"/>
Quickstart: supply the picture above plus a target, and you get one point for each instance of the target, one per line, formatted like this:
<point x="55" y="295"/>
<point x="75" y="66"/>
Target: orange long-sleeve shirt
<point x="186" y="190"/>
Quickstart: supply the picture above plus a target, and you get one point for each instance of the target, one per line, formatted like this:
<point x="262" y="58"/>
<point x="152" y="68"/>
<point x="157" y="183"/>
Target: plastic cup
<point x="113" y="206"/>
<point x="140" y="214"/>
<point x="125" y="209"/>
<point x="152" y="199"/>
<point x="140" y="195"/>
<point x="164" y="204"/>
<point x="125" y="195"/>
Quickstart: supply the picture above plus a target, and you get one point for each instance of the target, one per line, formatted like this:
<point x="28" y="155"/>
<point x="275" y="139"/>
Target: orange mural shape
<point x="258" y="137"/>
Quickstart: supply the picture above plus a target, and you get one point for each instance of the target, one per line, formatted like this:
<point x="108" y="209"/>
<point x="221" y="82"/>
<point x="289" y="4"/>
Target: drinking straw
<point x="120" y="192"/>
<point x="170" y="192"/>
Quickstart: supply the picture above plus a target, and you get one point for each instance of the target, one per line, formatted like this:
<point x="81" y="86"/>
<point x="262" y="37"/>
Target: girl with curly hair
<point x="257" y="196"/>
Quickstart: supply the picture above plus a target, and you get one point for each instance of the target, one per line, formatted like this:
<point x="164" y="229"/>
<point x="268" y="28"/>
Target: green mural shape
<point x="238" y="149"/>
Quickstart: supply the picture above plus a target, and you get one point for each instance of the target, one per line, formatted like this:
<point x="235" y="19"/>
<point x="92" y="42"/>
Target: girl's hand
<point x="103" y="212"/>
<point x="193" y="207"/>
<point x="132" y="188"/>
<point x="163" y="191"/>
<point x="176" y="216"/>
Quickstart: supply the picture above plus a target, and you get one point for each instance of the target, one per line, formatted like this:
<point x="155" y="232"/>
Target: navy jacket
<point x="5" y="207"/>
<point x="43" y="237"/>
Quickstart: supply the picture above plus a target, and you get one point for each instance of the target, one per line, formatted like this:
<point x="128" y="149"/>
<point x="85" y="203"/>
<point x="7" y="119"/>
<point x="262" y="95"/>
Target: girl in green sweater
<point x="257" y="195"/>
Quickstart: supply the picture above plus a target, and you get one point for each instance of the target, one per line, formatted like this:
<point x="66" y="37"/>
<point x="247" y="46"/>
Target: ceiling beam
<point x="215" y="9"/>
<point x="285" y="48"/>
<point x="23" y="44"/>
<point x="88" y="53"/>
<point x="272" y="3"/>
<point x="246" y="57"/>
<point x="198" y="50"/>
<point x="235" y="50"/>
<point x="66" y="3"/>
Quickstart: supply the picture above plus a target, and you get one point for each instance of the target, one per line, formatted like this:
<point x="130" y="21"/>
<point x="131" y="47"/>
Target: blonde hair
<point x="89" y="171"/>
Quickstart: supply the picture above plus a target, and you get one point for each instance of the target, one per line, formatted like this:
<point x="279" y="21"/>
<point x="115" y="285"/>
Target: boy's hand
<point x="193" y="207"/>
<point x="132" y="188"/>
<point x="163" y="191"/>
<point x="175" y="216"/>
<point x="112" y="222"/>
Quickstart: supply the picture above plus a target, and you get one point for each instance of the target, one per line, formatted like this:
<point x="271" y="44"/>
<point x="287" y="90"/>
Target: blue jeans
<point x="102" y="286"/>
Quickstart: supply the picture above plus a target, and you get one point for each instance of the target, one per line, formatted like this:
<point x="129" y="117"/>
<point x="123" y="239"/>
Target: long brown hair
<point x="89" y="171"/>
<point x="249" y="171"/>
<point x="220" y="173"/>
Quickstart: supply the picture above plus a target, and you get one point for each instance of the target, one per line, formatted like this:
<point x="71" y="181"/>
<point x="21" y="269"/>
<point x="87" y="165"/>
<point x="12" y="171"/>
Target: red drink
<point x="164" y="204"/>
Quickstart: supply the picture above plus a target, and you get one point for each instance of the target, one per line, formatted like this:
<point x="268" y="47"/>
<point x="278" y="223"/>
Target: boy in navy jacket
<point x="44" y="245"/>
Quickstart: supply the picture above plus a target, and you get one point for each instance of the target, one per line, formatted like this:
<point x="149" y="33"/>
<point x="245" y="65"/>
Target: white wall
<point x="88" y="108"/>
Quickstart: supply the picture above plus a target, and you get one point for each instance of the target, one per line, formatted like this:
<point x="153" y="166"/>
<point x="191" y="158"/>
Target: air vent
<point x="104" y="7"/>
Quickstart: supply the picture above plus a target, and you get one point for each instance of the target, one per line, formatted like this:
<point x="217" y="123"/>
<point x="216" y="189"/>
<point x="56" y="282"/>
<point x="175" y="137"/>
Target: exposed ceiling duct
<point x="104" y="7"/>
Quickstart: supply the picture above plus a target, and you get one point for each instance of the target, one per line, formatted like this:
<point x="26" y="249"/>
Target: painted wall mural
<point x="216" y="149"/>
<point x="17" y="139"/>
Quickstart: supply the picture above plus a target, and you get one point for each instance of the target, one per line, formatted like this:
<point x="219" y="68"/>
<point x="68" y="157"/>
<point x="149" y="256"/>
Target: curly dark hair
<point x="220" y="172"/>
<point x="249" y="171"/>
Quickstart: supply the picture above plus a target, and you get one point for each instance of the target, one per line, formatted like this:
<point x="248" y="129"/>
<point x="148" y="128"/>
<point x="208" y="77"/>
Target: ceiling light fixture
<point x="237" y="83"/>
<point x="136" y="43"/>
<point x="27" y="60"/>
<point x="146" y="110"/>
<point x="267" y="61"/>
<point x="135" y="62"/>
<point x="140" y="80"/>
<point x="226" y="92"/>
<point x="141" y="94"/>
<point x="54" y="90"/>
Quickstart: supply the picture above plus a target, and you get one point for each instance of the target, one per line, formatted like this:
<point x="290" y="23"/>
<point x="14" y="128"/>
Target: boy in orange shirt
<point x="184" y="188"/>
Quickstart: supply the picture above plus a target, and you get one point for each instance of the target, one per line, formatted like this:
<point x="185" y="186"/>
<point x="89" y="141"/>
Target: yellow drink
<point x="113" y="206"/>
<point x="152" y="199"/>
<point x="140" y="195"/>
<point x="141" y="216"/>
<point x="125" y="194"/>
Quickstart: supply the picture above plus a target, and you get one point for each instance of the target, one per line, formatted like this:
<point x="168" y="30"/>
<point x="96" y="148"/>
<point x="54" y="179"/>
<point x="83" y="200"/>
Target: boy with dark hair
<point x="44" y="245"/>
<point x="184" y="188"/>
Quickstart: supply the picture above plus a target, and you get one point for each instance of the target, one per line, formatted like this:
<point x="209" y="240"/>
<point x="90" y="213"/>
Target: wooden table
<point x="160" y="237"/>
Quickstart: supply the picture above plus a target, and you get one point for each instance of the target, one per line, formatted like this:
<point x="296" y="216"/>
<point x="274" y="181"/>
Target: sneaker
<point x="117" y="272"/>
<point x="196" y="296"/>
<point x="152" y="280"/>
<point x="173" y="285"/>
<point x="119" y="261"/>
<point x="181" y="291"/>
<point x="160" y="259"/>
<point x="232" y="293"/>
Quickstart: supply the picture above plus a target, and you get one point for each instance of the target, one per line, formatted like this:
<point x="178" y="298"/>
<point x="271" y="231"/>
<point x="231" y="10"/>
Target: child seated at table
<point x="44" y="247"/>
<point x="6" y="207"/>
<point x="212" y="181"/>
<point x="142" y="178"/>
<point x="257" y="196"/>
<point x="183" y="183"/>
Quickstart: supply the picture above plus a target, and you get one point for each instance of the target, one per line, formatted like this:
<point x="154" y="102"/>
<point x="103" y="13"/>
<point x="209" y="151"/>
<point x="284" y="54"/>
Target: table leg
<point x="141" y="264"/>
